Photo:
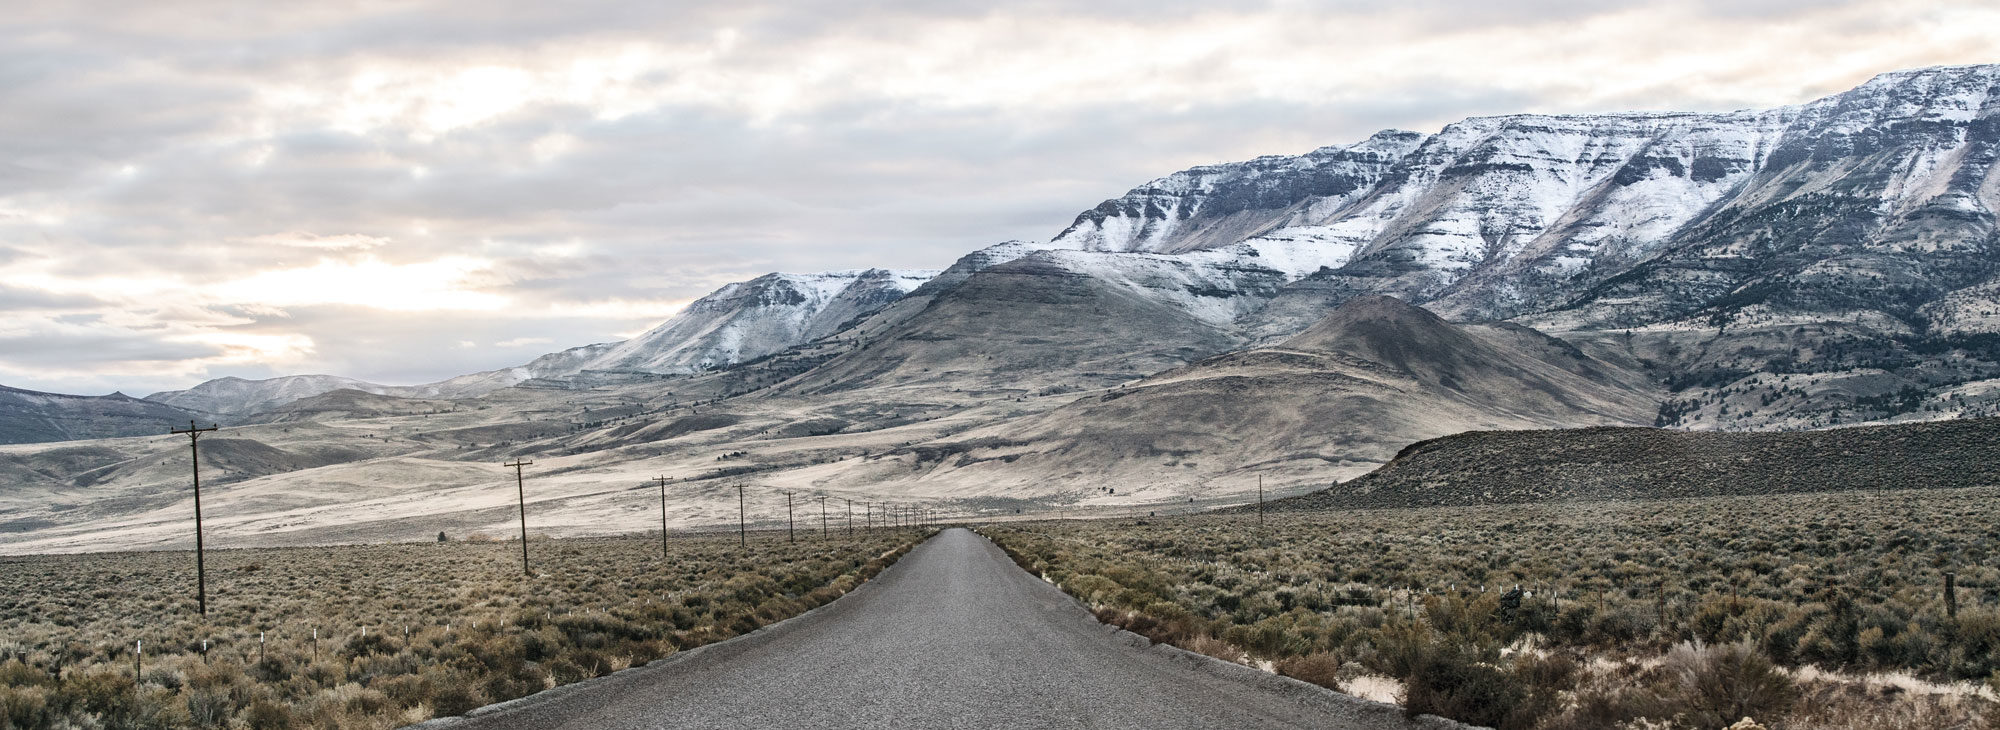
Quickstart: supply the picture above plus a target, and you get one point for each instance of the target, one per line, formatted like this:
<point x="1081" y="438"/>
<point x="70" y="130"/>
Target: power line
<point x="522" y="492"/>
<point x="200" y="561"/>
<point x="663" y="516"/>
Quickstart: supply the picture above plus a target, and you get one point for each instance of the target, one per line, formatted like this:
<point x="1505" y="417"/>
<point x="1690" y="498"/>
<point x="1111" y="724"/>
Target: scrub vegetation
<point x="403" y="632"/>
<point x="1801" y="611"/>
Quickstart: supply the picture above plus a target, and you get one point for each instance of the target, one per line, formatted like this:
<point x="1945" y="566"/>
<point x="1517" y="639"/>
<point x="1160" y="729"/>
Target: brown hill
<point x="1333" y="402"/>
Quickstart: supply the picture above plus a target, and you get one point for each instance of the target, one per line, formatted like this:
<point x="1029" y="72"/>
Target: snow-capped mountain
<point x="552" y="366"/>
<point x="1784" y="268"/>
<point x="1832" y="262"/>
<point x="1874" y="200"/>
<point x="233" y="397"/>
<point x="28" y="416"/>
<point x="237" y="396"/>
<point x="751" y="319"/>
<point x="1218" y="205"/>
<point x="739" y="322"/>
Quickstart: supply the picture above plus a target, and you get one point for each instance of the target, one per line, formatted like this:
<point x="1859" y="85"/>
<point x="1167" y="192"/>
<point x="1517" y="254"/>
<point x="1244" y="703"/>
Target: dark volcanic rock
<point x="1592" y="464"/>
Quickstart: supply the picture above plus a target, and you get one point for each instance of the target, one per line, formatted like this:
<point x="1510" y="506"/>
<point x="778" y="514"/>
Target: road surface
<point x="954" y="635"/>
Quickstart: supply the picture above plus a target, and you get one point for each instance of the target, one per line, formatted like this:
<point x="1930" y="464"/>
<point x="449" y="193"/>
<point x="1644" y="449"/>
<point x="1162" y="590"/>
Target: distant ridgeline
<point x="1591" y="464"/>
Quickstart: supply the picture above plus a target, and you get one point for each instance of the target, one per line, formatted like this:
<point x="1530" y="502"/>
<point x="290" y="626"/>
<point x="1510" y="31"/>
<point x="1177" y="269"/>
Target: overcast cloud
<point x="406" y="191"/>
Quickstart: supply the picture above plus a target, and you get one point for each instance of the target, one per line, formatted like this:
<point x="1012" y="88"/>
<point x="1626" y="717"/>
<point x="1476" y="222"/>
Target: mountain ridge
<point x="1825" y="263"/>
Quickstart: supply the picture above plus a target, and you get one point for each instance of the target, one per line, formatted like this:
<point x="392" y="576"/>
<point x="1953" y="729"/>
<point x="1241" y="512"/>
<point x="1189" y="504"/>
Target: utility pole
<point x="742" y="525"/>
<point x="850" y="517"/>
<point x="822" y="516"/>
<point x="663" y="515"/>
<point x="200" y="552"/>
<point x="1260" y="500"/>
<point x="521" y="491"/>
<point x="789" y="536"/>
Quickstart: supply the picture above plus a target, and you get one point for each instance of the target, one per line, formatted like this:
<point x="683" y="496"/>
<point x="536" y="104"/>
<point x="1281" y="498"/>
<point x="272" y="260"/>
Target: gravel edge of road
<point x="1305" y="693"/>
<point x="734" y="643"/>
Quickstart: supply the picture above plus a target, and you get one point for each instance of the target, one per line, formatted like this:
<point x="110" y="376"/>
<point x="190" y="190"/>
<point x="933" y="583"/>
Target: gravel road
<point x="952" y="636"/>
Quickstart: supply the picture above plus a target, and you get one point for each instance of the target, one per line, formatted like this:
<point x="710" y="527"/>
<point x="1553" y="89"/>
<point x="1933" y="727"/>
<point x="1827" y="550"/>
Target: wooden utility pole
<point x="521" y="491"/>
<point x="1260" y="500"/>
<point x="789" y="536"/>
<point x="200" y="551"/>
<point x="662" y="479"/>
<point x="742" y="524"/>
<point x="850" y="516"/>
<point x="822" y="516"/>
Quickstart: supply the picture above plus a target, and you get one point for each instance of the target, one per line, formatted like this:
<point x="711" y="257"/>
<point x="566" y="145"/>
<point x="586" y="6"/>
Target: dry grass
<point x="404" y="632"/>
<point x="1672" y="612"/>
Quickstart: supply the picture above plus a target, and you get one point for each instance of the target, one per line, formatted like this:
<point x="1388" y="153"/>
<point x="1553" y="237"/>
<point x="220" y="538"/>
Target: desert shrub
<point x="1455" y="684"/>
<point x="1827" y="579"/>
<point x="268" y="715"/>
<point x="1712" y="687"/>
<point x="25" y="707"/>
<point x="1093" y="589"/>
<point x="1975" y="644"/>
<point x="1321" y="668"/>
<point x="1213" y="647"/>
<point x="596" y="604"/>
<point x="15" y="673"/>
<point x="456" y="697"/>
<point x="406" y="690"/>
<point x="208" y="707"/>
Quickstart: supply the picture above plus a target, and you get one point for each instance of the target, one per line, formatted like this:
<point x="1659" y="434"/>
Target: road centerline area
<point x="952" y="636"/>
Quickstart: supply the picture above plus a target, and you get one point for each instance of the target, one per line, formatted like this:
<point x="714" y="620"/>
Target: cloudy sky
<point x="405" y="191"/>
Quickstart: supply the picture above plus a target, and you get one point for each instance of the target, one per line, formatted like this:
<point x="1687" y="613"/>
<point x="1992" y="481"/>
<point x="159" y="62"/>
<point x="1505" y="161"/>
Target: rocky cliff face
<point x="1218" y="205"/>
<point x="1845" y="246"/>
<point x="1501" y="217"/>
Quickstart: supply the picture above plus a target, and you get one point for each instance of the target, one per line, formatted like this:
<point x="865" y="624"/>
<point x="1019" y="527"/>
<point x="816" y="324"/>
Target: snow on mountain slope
<point x="748" y="320"/>
<point x="738" y="322"/>
<point x="1504" y="216"/>
<point x="236" y="396"/>
<point x="1050" y="319"/>
<point x="1217" y="205"/>
<point x="920" y="298"/>
<point x="28" y="416"/>
<point x="551" y="366"/>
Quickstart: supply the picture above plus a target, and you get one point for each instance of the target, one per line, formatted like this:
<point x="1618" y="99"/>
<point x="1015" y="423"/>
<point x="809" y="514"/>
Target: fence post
<point x="1662" y="598"/>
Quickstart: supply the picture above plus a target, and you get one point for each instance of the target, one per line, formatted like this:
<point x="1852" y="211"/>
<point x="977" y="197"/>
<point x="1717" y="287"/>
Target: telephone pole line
<point x="1260" y="500"/>
<point x="822" y="517"/>
<point x="742" y="523"/>
<point x="521" y="491"/>
<point x="200" y="552"/>
<point x="850" y="516"/>
<point x="662" y="479"/>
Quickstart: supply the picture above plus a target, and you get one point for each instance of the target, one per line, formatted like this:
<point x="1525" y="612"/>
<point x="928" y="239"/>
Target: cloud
<point x="523" y="342"/>
<point x="365" y="187"/>
<point x="299" y="239"/>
